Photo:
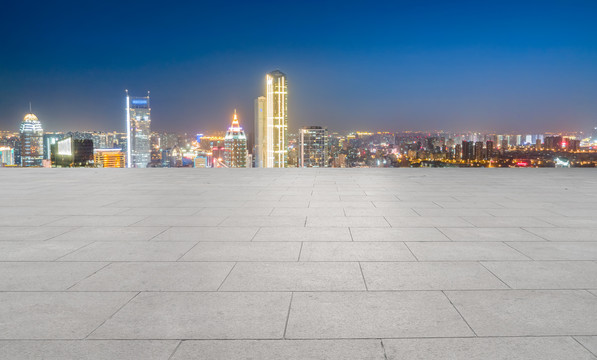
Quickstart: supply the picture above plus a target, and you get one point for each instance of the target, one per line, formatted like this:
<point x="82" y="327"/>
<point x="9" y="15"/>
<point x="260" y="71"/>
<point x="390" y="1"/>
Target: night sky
<point x="505" y="66"/>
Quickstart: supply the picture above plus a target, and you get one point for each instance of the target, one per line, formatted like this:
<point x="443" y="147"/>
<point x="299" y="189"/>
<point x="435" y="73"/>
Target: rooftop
<point x="298" y="264"/>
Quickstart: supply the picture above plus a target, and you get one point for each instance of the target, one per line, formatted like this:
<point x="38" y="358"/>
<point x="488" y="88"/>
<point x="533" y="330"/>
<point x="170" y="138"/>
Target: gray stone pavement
<point x="298" y="264"/>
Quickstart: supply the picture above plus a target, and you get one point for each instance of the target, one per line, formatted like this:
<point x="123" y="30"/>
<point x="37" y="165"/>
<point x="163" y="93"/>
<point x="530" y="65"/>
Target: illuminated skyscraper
<point x="276" y="136"/>
<point x="138" y="128"/>
<point x="313" y="147"/>
<point x="260" y="132"/>
<point x="32" y="141"/>
<point x="7" y="156"/>
<point x="236" y="145"/>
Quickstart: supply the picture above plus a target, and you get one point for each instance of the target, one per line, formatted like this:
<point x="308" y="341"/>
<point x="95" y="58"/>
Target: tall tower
<point x="138" y="131"/>
<point x="260" y="131"/>
<point x="236" y="145"/>
<point x="32" y="140"/>
<point x="276" y="120"/>
<point x="313" y="147"/>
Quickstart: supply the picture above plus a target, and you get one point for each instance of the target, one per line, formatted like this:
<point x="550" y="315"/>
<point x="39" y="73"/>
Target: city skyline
<point x="524" y="67"/>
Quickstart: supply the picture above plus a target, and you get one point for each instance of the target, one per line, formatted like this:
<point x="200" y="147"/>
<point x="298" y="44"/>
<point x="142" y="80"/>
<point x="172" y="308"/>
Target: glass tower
<point x="236" y="145"/>
<point x="138" y="131"/>
<point x="276" y="136"/>
<point x="32" y="141"/>
<point x="313" y="142"/>
<point x="260" y="132"/>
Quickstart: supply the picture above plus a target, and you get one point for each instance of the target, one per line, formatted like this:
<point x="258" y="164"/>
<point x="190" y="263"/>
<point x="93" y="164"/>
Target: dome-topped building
<point x="32" y="143"/>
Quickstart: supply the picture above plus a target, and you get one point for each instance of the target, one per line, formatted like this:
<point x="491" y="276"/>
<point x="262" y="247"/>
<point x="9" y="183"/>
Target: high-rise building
<point x="7" y="156"/>
<point x="313" y="147"/>
<point x="236" y="145"/>
<point x="479" y="155"/>
<point x="108" y="158"/>
<point x="71" y="152"/>
<point x="32" y="143"/>
<point x="138" y="127"/>
<point x="260" y="132"/>
<point x="489" y="146"/>
<point x="276" y="136"/>
<point x="468" y="150"/>
<point x="49" y="140"/>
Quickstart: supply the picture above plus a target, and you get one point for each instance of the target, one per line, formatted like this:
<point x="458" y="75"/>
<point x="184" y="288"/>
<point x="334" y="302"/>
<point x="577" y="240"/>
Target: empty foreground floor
<point x="298" y="264"/>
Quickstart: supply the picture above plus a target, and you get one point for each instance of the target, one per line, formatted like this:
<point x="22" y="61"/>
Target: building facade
<point x="236" y="145"/>
<point x="276" y="136"/>
<point x="32" y="141"/>
<point x="108" y="158"/>
<point x="138" y="123"/>
<point x="260" y="131"/>
<point x="313" y="147"/>
<point x="71" y="152"/>
<point x="7" y="156"/>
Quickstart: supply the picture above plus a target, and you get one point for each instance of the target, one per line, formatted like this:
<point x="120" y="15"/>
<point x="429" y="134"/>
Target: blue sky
<point x="520" y="66"/>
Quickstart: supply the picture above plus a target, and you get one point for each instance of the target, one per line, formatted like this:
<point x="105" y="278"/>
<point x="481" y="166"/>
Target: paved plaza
<point x="433" y="264"/>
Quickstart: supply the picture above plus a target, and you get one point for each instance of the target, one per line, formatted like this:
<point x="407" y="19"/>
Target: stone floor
<point x="298" y="264"/>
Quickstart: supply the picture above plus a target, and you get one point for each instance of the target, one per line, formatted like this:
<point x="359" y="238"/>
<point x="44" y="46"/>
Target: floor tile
<point x="280" y="349"/>
<point x="397" y="234"/>
<point x="355" y="251"/>
<point x="565" y="234"/>
<point x="373" y="315"/>
<point x="546" y="274"/>
<point x="31" y="233"/>
<point x="527" y="312"/>
<point x="294" y="276"/>
<point x="427" y="222"/>
<point x="558" y="250"/>
<point x="96" y="220"/>
<point x="195" y="315"/>
<point x="489" y="234"/>
<point x="464" y="251"/>
<point x="130" y="251"/>
<point x="343" y="221"/>
<point x="56" y="315"/>
<point x="302" y="234"/>
<point x="428" y="276"/>
<point x="244" y="251"/>
<point x="533" y="348"/>
<point x="88" y="349"/>
<point x="37" y="250"/>
<point x="190" y="233"/>
<point x="116" y="233"/>
<point x="157" y="276"/>
<point x="44" y="276"/>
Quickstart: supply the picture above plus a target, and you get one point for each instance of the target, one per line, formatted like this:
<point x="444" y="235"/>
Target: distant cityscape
<point x="270" y="145"/>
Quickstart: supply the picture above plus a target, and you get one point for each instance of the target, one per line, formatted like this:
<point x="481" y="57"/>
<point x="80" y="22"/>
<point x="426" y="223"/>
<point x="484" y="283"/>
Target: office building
<point x="236" y="145"/>
<point x="479" y="155"/>
<point x="260" y="131"/>
<point x="109" y="158"/>
<point x="31" y="141"/>
<point x="313" y="147"/>
<point x="70" y="152"/>
<point x="276" y="136"/>
<point x="138" y="123"/>
<point x="489" y="151"/>
<point x="49" y="140"/>
<point x="7" y="156"/>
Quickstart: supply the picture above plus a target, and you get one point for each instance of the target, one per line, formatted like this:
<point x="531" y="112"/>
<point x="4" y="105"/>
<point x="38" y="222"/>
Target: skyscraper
<point x="138" y="131"/>
<point x="7" y="156"/>
<point x="32" y="141"/>
<point x="276" y="136"/>
<point x="236" y="145"/>
<point x="313" y="147"/>
<point x="260" y="131"/>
